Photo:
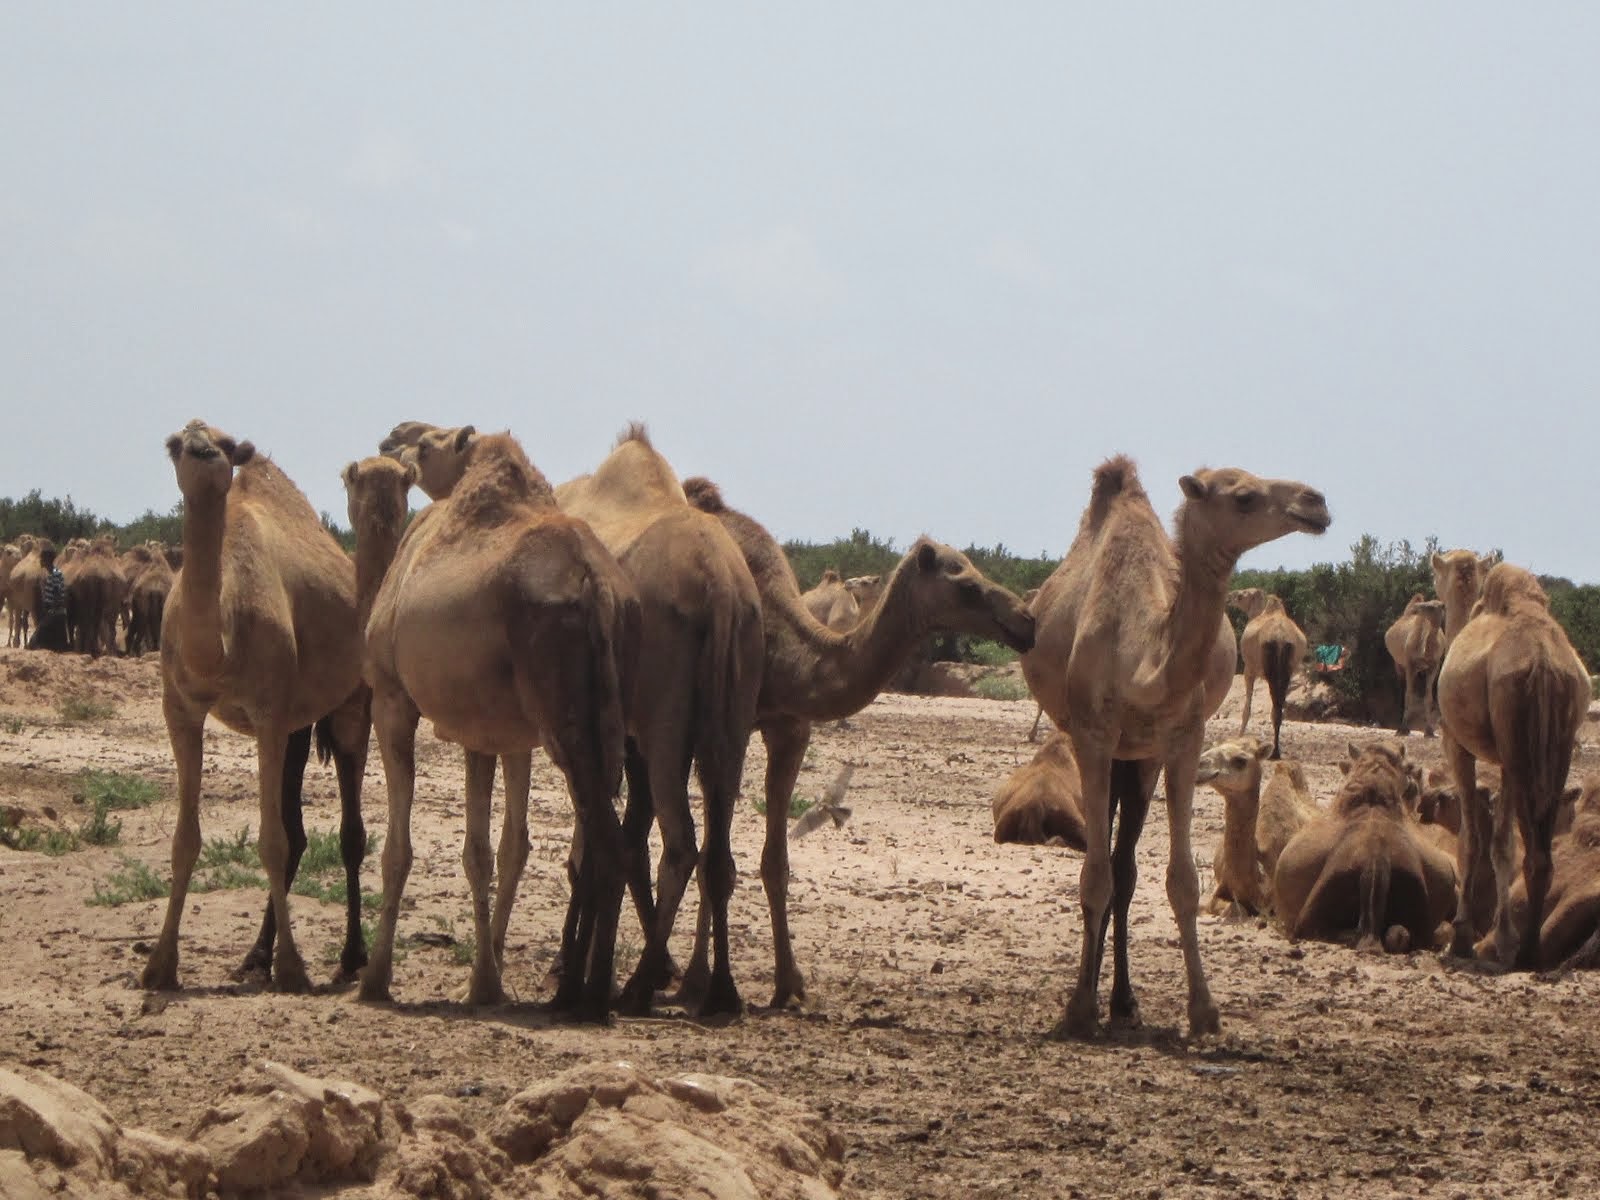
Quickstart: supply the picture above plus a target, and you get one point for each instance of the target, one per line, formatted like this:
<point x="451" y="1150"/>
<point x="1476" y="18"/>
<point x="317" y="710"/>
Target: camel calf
<point x="1257" y="824"/>
<point x="1042" y="799"/>
<point x="1365" y="869"/>
<point x="1416" y="643"/>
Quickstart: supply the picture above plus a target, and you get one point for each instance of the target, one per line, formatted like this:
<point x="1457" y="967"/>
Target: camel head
<point x="439" y="454"/>
<point x="1377" y="775"/>
<point x="1229" y="511"/>
<point x="205" y="457"/>
<point x="1458" y="577"/>
<point x="948" y="592"/>
<point x="829" y="575"/>
<point x="1234" y="765"/>
<point x="1250" y="601"/>
<point x="867" y="588"/>
<point x="375" y="490"/>
<point x="1506" y="588"/>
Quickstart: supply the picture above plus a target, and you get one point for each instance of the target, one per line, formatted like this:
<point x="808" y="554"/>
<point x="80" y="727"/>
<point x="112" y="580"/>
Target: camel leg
<point x="294" y="828"/>
<point x="273" y="844"/>
<point x="1183" y="882"/>
<point x="590" y="940"/>
<point x="187" y="735"/>
<point x="668" y="769"/>
<point x="348" y="730"/>
<point x="1033" y="734"/>
<point x="720" y="768"/>
<point x="394" y="720"/>
<point x="1134" y="784"/>
<point x="1408" y="699"/>
<point x="1430" y="704"/>
<point x="517" y="770"/>
<point x="478" y="863"/>
<point x="1094" y="888"/>
<point x="1249" y="695"/>
<point x="1536" y="871"/>
<point x="786" y="740"/>
<point x="1472" y="845"/>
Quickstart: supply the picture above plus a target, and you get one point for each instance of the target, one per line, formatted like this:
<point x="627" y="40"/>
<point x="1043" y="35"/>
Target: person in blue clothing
<point x="52" y="631"/>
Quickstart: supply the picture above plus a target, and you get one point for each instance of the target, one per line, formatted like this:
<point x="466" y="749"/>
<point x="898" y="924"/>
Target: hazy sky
<point x="910" y="267"/>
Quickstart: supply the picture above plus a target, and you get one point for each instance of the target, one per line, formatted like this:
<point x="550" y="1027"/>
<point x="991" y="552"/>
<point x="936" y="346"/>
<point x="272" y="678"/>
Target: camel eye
<point x="1245" y="501"/>
<point x="1237" y="763"/>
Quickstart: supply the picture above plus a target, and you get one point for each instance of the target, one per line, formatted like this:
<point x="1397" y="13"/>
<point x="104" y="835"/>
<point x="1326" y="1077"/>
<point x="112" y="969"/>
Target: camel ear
<point x="1193" y="488"/>
<point x="927" y="557"/>
<point x="464" y="435"/>
<point x="1436" y="560"/>
<point x="1262" y="750"/>
<point x="1354" y="750"/>
<point x="1492" y="559"/>
<point x="349" y="475"/>
<point x="242" y="453"/>
<point x="174" y="447"/>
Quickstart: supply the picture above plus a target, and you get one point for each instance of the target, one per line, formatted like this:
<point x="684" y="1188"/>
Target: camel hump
<point x="704" y="495"/>
<point x="1114" y="477"/>
<point x="635" y="432"/>
<point x="829" y="575"/>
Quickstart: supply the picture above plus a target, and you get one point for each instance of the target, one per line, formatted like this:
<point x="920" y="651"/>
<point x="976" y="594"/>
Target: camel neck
<point x="1177" y="661"/>
<point x="200" y="586"/>
<point x="1239" y="814"/>
<point x="820" y="674"/>
<point x="375" y="550"/>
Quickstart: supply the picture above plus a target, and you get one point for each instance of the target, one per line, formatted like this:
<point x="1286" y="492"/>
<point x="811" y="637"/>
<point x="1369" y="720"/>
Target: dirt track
<point x="935" y="962"/>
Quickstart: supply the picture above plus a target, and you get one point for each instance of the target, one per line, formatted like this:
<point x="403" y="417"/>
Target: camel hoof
<point x="290" y="978"/>
<point x="159" y="977"/>
<point x="1081" y="1020"/>
<point x="721" y="999"/>
<point x="374" y="991"/>
<point x="638" y="998"/>
<point x="1369" y="945"/>
<point x="1204" y="1019"/>
<point x="1397" y="940"/>
<point x="1125" y="1014"/>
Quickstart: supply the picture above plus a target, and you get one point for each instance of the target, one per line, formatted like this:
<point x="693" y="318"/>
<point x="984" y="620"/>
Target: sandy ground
<point x="935" y="961"/>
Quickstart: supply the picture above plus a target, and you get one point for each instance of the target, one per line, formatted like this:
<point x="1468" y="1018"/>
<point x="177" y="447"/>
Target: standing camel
<point x="1416" y="644"/>
<point x="1133" y="653"/>
<point x="508" y="625"/>
<point x="27" y="578"/>
<point x="1512" y="692"/>
<point x="813" y="673"/>
<point x="833" y="602"/>
<point x="1273" y="646"/>
<point x="260" y="629"/>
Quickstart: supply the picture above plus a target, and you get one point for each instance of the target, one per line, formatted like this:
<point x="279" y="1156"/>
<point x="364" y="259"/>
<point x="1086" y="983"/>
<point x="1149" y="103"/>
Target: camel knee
<point x="1095" y="887"/>
<point x="1183" y="888"/>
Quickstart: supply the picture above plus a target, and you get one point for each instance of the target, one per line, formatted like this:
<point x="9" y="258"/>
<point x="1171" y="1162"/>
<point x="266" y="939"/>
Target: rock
<point x="444" y="1158"/>
<point x="276" y="1125"/>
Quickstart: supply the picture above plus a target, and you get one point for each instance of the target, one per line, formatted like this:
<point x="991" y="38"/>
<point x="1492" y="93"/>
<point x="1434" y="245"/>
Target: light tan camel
<point x="1042" y="799"/>
<point x="1366" y="869"/>
<point x="699" y="676"/>
<point x="813" y="673"/>
<point x="832" y="602"/>
<point x="1257" y="822"/>
<point x="95" y="592"/>
<point x="1272" y="647"/>
<point x="27" y="578"/>
<point x="1416" y="644"/>
<point x="147" y="600"/>
<point x="1133" y="653"/>
<point x="866" y="589"/>
<point x="1458" y="577"/>
<point x="506" y="623"/>
<point x="11" y="555"/>
<point x="260" y="630"/>
<point x="1513" y="692"/>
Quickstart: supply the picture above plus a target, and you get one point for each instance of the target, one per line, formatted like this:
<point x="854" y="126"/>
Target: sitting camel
<point x="260" y="630"/>
<point x="1272" y="646"/>
<point x="832" y="602"/>
<point x="508" y="625"/>
<point x="1514" y="692"/>
<point x="1042" y="799"/>
<point x="1365" y="868"/>
<point x="1570" y="933"/>
<point x="1416" y="644"/>
<point x="1257" y="823"/>
<point x="1133" y="654"/>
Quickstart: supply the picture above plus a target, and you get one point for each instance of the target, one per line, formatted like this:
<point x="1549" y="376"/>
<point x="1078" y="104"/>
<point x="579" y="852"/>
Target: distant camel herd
<point x="635" y="627"/>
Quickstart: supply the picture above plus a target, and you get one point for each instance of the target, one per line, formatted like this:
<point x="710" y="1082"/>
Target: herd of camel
<point x="634" y="626"/>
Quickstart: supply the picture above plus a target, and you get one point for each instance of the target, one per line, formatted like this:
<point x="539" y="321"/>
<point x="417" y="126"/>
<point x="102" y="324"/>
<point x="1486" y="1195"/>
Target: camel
<point x="1416" y="644"/>
<point x="509" y="625"/>
<point x="27" y="577"/>
<point x="1042" y="799"/>
<point x="260" y="630"/>
<point x="1133" y="653"/>
<point x="148" y="592"/>
<point x="1366" y="868"/>
<point x="11" y="555"/>
<point x="832" y="602"/>
<point x="1512" y="691"/>
<point x="1257" y="823"/>
<point x="699" y="677"/>
<point x="94" y="591"/>
<point x="1272" y="646"/>
<point x="813" y="673"/>
<point x="1570" y="934"/>
<point x="866" y="589"/>
<point x="1458" y="577"/>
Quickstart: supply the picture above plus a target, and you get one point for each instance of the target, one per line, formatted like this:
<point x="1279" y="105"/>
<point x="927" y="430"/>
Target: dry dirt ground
<point x="935" y="961"/>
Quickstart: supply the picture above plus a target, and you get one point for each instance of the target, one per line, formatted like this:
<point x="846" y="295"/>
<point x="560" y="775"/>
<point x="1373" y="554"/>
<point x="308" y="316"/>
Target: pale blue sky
<point x="911" y="267"/>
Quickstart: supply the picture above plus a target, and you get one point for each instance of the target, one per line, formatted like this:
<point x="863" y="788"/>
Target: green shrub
<point x="113" y="790"/>
<point x="85" y="708"/>
<point x="132" y="882"/>
<point x="1000" y="687"/>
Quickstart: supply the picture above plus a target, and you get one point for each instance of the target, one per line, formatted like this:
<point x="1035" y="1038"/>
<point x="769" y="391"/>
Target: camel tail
<point x="611" y="679"/>
<point x="1276" y="663"/>
<point x="704" y="495"/>
<point x="722" y="733"/>
<point x="1375" y="874"/>
<point x="1541" y="747"/>
<point x="322" y="732"/>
